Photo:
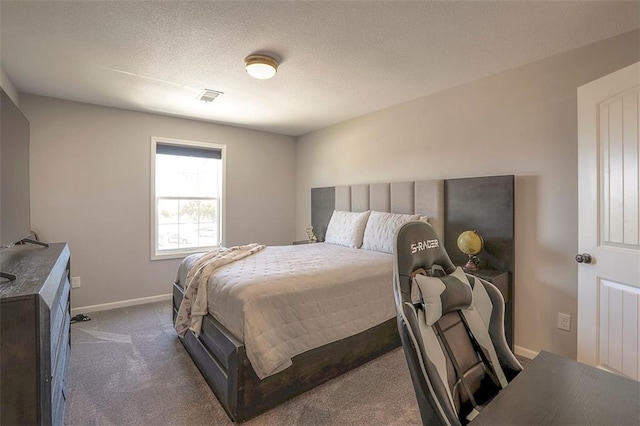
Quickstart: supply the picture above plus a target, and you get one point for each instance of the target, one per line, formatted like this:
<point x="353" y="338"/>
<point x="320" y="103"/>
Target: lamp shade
<point x="261" y="67"/>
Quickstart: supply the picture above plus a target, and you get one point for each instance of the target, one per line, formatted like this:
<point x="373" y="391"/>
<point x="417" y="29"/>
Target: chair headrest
<point x="442" y="295"/>
<point x="417" y="246"/>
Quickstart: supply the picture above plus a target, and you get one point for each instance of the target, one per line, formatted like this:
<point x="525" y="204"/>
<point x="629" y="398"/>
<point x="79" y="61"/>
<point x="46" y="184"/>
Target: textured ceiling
<point x="339" y="60"/>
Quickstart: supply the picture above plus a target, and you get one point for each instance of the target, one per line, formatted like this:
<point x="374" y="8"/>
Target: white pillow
<point x="346" y="228"/>
<point x="381" y="230"/>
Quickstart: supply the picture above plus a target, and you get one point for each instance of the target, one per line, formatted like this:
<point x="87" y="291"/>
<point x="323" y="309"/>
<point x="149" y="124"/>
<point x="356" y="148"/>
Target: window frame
<point x="153" y="206"/>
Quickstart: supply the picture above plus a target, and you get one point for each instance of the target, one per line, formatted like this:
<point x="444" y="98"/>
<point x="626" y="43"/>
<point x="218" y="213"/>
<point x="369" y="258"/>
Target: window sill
<point x="181" y="254"/>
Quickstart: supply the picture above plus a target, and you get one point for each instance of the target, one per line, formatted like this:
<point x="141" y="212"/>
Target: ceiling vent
<point x="208" y="95"/>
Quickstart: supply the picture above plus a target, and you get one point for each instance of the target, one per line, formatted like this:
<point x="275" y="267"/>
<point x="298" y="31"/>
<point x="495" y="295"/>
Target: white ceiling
<point x="339" y="60"/>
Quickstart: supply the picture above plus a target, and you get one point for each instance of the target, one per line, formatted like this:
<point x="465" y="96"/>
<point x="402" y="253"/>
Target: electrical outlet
<point x="564" y="322"/>
<point x="75" y="282"/>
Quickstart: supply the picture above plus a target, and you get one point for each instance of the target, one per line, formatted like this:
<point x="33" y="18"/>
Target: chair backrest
<point x="452" y="329"/>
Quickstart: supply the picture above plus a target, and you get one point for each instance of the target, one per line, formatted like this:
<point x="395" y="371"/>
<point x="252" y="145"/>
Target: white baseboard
<point x="120" y="304"/>
<point x="527" y="353"/>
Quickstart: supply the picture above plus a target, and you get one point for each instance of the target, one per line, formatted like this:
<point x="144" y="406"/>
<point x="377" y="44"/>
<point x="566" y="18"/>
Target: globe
<point x="470" y="243"/>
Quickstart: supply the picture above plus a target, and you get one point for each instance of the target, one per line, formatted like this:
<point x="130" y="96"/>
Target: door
<point x="608" y="222"/>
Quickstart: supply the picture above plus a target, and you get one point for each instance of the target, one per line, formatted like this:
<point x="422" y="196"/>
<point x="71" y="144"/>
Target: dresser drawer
<point x="64" y="299"/>
<point x="58" y="317"/>
<point x="59" y="388"/>
<point x="59" y="375"/>
<point x="59" y="368"/>
<point x="61" y="299"/>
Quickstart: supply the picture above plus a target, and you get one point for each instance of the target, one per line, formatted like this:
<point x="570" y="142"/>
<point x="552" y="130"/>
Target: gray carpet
<point x="127" y="367"/>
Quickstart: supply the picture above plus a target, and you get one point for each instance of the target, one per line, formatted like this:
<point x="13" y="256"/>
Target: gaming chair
<point x="452" y="329"/>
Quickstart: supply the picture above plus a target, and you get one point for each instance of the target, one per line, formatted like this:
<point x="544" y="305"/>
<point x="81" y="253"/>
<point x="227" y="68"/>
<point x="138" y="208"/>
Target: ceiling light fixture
<point x="261" y="67"/>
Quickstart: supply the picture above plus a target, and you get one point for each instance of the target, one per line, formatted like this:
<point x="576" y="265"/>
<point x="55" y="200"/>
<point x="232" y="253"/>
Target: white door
<point x="608" y="222"/>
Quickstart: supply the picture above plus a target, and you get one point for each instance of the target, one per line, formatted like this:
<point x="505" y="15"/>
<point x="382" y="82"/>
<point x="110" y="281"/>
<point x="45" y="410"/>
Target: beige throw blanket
<point x="194" y="303"/>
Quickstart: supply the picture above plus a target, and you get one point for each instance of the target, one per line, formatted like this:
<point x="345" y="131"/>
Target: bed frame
<point x="223" y="362"/>
<point x="222" y="359"/>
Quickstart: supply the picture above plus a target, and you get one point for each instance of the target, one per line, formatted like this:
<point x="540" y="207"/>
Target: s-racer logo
<point x="423" y="245"/>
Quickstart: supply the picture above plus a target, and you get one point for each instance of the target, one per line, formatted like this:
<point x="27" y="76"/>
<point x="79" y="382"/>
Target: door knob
<point x="583" y="258"/>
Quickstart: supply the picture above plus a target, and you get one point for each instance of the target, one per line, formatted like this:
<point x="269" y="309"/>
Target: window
<point x="186" y="197"/>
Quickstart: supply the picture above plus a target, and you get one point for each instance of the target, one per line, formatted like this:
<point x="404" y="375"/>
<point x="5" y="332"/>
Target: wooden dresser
<point x="34" y="334"/>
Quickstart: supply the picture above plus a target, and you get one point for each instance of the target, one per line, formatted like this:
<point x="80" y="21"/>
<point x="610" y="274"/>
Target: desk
<point x="554" y="390"/>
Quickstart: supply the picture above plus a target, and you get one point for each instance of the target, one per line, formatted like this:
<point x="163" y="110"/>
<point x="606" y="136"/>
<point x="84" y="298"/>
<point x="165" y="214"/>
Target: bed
<point x="285" y="300"/>
<point x="220" y="351"/>
<point x="221" y="354"/>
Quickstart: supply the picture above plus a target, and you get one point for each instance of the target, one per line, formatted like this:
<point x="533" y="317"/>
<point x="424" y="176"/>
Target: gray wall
<point x="523" y="122"/>
<point x="9" y="88"/>
<point x="90" y="187"/>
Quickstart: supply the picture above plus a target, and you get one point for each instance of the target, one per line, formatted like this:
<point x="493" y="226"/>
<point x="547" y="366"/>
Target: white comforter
<point x="286" y="300"/>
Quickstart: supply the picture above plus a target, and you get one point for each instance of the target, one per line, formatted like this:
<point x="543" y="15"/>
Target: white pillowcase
<point x="346" y="228"/>
<point x="381" y="228"/>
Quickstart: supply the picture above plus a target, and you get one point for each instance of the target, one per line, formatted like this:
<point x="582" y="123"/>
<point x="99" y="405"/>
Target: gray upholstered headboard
<point x="425" y="198"/>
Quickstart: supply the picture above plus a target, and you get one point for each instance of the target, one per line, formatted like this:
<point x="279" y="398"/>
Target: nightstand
<point x="502" y="280"/>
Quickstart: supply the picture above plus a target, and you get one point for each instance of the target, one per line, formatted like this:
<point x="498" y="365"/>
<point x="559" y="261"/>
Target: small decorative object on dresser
<point x="34" y="325"/>
<point x="471" y="243"/>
